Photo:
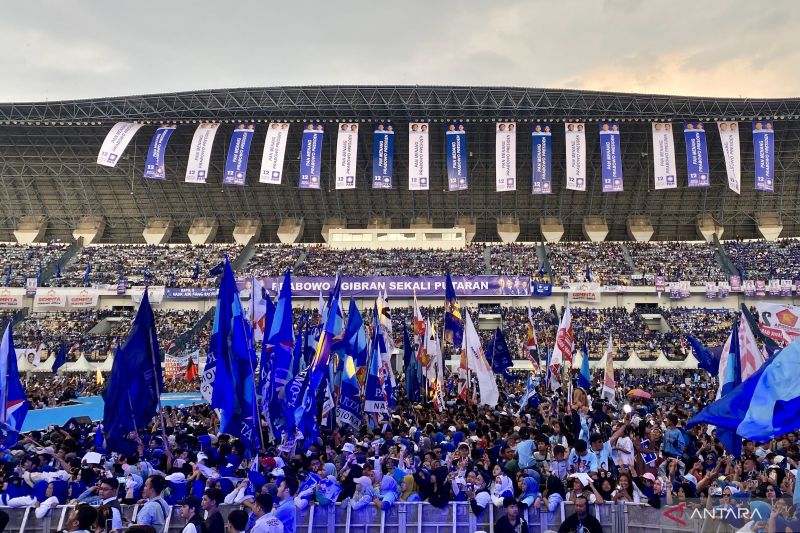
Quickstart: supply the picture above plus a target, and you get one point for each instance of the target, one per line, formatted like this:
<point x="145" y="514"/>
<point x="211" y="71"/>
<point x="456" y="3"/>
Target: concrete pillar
<point x="707" y="227"/>
<point x="290" y="230"/>
<point x="333" y="223"/>
<point x="31" y="228"/>
<point x="158" y="230"/>
<point x="639" y="228"/>
<point x="552" y="229"/>
<point x="770" y="225"/>
<point x="380" y="223"/>
<point x="422" y="222"/>
<point x="203" y="230"/>
<point x="90" y="228"/>
<point x="508" y="228"/>
<point x="595" y="228"/>
<point x="246" y="229"/>
<point x="470" y="227"/>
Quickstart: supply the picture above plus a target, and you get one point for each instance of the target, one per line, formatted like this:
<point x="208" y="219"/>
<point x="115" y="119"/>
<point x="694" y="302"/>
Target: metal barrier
<point x="455" y="517"/>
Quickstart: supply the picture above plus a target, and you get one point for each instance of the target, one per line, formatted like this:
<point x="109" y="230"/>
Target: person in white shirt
<point x="265" y="520"/>
<point x="191" y="511"/>
<point x="81" y="519"/>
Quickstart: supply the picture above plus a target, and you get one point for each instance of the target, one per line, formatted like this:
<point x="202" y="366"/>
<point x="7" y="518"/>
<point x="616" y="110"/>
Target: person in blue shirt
<point x="286" y="511"/>
<point x="155" y="511"/>
<point x="674" y="439"/>
<point x="581" y="461"/>
<point x="602" y="450"/>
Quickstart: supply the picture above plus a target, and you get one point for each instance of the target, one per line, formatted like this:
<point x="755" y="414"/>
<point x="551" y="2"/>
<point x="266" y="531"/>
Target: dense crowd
<point x="764" y="260"/>
<point x="21" y="261"/>
<point x="604" y="262"/>
<point x="676" y="261"/>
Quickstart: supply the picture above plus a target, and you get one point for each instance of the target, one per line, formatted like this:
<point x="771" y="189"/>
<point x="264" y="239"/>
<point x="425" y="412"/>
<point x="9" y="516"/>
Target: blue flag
<point x="530" y="390"/>
<point x="61" y="357"/>
<point x="453" y="321"/>
<point x="584" y="378"/>
<point x="730" y="377"/>
<point x="355" y="336"/>
<point x="196" y="273"/>
<point x="87" y="272"/>
<point x="299" y="346"/>
<point x="281" y="339"/>
<point x="499" y="355"/>
<point x="58" y="269"/>
<point x="8" y="276"/>
<point x="765" y="405"/>
<point x="588" y="275"/>
<point x="410" y="365"/>
<point x="706" y="358"/>
<point x="15" y="405"/>
<point x="231" y="343"/>
<point x="375" y="399"/>
<point x="132" y="392"/>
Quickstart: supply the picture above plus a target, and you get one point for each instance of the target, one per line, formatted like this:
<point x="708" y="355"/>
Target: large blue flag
<point x="499" y="355"/>
<point x="410" y="365"/>
<point x="355" y="336"/>
<point x="132" y="393"/>
<point x="707" y="359"/>
<point x="281" y="339"/>
<point x="231" y="344"/>
<point x="61" y="357"/>
<point x="730" y="377"/>
<point x="14" y="406"/>
<point x="453" y="321"/>
<point x="375" y="399"/>
<point x="86" y="273"/>
<point x="765" y="405"/>
<point x="584" y="378"/>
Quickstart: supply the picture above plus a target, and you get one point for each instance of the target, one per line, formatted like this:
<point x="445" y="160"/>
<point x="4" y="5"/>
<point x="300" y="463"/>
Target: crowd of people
<point x="23" y="261"/>
<point x="764" y="260"/>
<point x="676" y="261"/>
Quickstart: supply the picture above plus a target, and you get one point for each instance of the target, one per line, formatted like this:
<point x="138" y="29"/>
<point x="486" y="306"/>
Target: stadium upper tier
<point x="49" y="151"/>
<point x="609" y="263"/>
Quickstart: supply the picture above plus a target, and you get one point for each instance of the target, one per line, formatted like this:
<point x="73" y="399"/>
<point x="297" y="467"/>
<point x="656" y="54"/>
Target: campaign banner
<point x="311" y="155"/>
<point x="116" y="142"/>
<point x="176" y="366"/>
<point x="505" y="156"/>
<point x="761" y="287"/>
<point x="585" y="292"/>
<point x="786" y="287"/>
<point x="685" y="288"/>
<point x="696" y="154"/>
<point x="11" y="298"/>
<point x="711" y="290"/>
<point x="724" y="289"/>
<point x="660" y="284"/>
<point x="610" y="157"/>
<point x="382" y="156"/>
<point x="542" y="289"/>
<point x="190" y="293"/>
<point x="674" y="290"/>
<point x="456" y="156"/>
<point x="576" y="155"/>
<point x="154" y="292"/>
<point x="736" y="284"/>
<point x="749" y="287"/>
<point x="418" y="160"/>
<point x="403" y="286"/>
<point x="274" y="153"/>
<point x="774" y="287"/>
<point x="31" y="284"/>
<point x="779" y="322"/>
<point x="238" y="155"/>
<point x="346" y="153"/>
<point x="542" y="158"/>
<point x="200" y="152"/>
<point x="664" y="174"/>
<point x="122" y="286"/>
<point x="154" y="164"/>
<point x="764" y="154"/>
<point x="729" y="136"/>
<point x="50" y="298"/>
<point x="83" y="298"/>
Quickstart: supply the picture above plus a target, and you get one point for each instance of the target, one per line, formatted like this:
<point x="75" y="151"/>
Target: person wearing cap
<point x="350" y="471"/>
<point x="581" y="520"/>
<point x="190" y="511"/>
<point x="512" y="521"/>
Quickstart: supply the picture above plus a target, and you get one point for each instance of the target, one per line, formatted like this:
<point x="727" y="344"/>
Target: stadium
<point x="450" y="293"/>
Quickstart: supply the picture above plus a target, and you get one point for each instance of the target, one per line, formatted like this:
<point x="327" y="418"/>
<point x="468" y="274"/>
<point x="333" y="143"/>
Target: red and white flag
<point x="565" y="342"/>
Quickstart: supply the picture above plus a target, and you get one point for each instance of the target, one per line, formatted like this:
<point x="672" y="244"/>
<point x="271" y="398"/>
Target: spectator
<point x="512" y="521"/>
<point x="581" y="520"/>
<point x="155" y="510"/>
<point x="190" y="509"/>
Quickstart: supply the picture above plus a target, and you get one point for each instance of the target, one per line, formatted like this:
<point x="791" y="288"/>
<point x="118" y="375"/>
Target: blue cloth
<point x="10" y="384"/>
<point x="154" y="513"/>
<point x="582" y="464"/>
<point x="584" y="378"/>
<point x="287" y="514"/>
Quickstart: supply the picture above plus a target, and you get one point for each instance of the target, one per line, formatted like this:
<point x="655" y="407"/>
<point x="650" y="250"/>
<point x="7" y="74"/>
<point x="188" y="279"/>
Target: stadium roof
<point x="48" y="152"/>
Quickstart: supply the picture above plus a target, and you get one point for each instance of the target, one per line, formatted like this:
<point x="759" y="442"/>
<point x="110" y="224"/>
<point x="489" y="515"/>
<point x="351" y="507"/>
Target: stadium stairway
<point x="69" y="255"/>
<point x="245" y="255"/>
<point x="299" y="261"/>
<point x="628" y="259"/>
<point x="544" y="260"/>
<point x="487" y="260"/>
<point x="723" y="259"/>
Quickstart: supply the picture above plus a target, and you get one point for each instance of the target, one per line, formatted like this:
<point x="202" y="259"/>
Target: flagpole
<point x="253" y="373"/>
<point x="155" y="378"/>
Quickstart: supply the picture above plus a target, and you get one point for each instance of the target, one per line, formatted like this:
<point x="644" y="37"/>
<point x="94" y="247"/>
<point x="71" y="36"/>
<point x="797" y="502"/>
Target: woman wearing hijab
<point x="364" y="495"/>
<point x="478" y="495"/>
<point x="530" y="493"/>
<point x="439" y="488"/>
<point x="389" y="493"/>
<point x="409" y="492"/>
<point x="501" y="488"/>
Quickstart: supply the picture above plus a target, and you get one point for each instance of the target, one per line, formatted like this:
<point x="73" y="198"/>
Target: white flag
<point x="274" y="152"/>
<point x="729" y="135"/>
<point x="664" y="174"/>
<point x="609" y="385"/>
<point x="115" y="143"/>
<point x="418" y="164"/>
<point x="476" y="361"/>
<point x="505" y="156"/>
<point x="200" y="153"/>
<point x="576" y="155"/>
<point x="346" y="153"/>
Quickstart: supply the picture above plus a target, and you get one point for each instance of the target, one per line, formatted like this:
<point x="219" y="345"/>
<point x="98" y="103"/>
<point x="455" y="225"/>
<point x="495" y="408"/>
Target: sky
<point x="57" y="50"/>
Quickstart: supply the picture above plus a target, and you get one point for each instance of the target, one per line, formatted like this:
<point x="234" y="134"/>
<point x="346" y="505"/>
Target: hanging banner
<point x="11" y="298"/>
<point x="154" y="165"/>
<point x="786" y="287"/>
<point x="238" y="155"/>
<point x="506" y="156"/>
<point x="346" y="153"/>
<point x="418" y="164"/>
<point x="50" y="298"/>
<point x="610" y="157"/>
<point x="774" y="287"/>
<point x="175" y="366"/>
<point x="200" y="153"/>
<point x="749" y="287"/>
<point x="711" y="290"/>
<point x="311" y="155"/>
<point x="115" y="143"/>
<point x="724" y="289"/>
<point x="779" y="322"/>
<point x="761" y="287"/>
<point x="585" y="292"/>
<point x="696" y="154"/>
<point x="541" y="289"/>
<point x="764" y="154"/>
<point x="382" y="156"/>
<point x="154" y="292"/>
<point x="660" y="284"/>
<point x="664" y="173"/>
<point x="83" y="298"/>
<point x="576" y="156"/>
<point x="31" y="285"/>
<point x="729" y="136"/>
<point x="456" y="156"/>
<point x="736" y="284"/>
<point x="274" y="153"/>
<point x="542" y="159"/>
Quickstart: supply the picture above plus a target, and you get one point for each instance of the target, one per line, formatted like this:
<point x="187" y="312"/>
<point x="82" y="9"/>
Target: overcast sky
<point x="57" y="49"/>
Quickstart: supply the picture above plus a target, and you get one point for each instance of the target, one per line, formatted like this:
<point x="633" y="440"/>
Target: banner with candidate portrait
<point x="610" y="157"/>
<point x="382" y="155"/>
<point x="694" y="134"/>
<point x="664" y="174"/>
<point x="274" y="153"/>
<point x="729" y="136"/>
<point x="576" y="155"/>
<point x="238" y="155"/>
<point x="200" y="152"/>
<point x="116" y="142"/>
<point x="764" y="154"/>
<point x="346" y="152"/>
<point x="311" y="155"/>
<point x="505" y="156"/>
<point x="542" y="158"/>
<point x="456" y="156"/>
<point x="154" y="164"/>
<point x="418" y="159"/>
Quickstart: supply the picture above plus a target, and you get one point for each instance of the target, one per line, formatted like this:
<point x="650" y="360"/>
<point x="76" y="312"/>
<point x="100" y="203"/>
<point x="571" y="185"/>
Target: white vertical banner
<point x="506" y="156"/>
<point x="576" y="155"/>
<point x="729" y="135"/>
<point x="418" y="165"/>
<point x="664" y="173"/>
<point x="200" y="152"/>
<point x="274" y="152"/>
<point x="346" y="152"/>
<point x="115" y="143"/>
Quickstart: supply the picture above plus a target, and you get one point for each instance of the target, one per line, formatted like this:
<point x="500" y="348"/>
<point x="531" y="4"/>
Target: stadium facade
<point x="48" y="154"/>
